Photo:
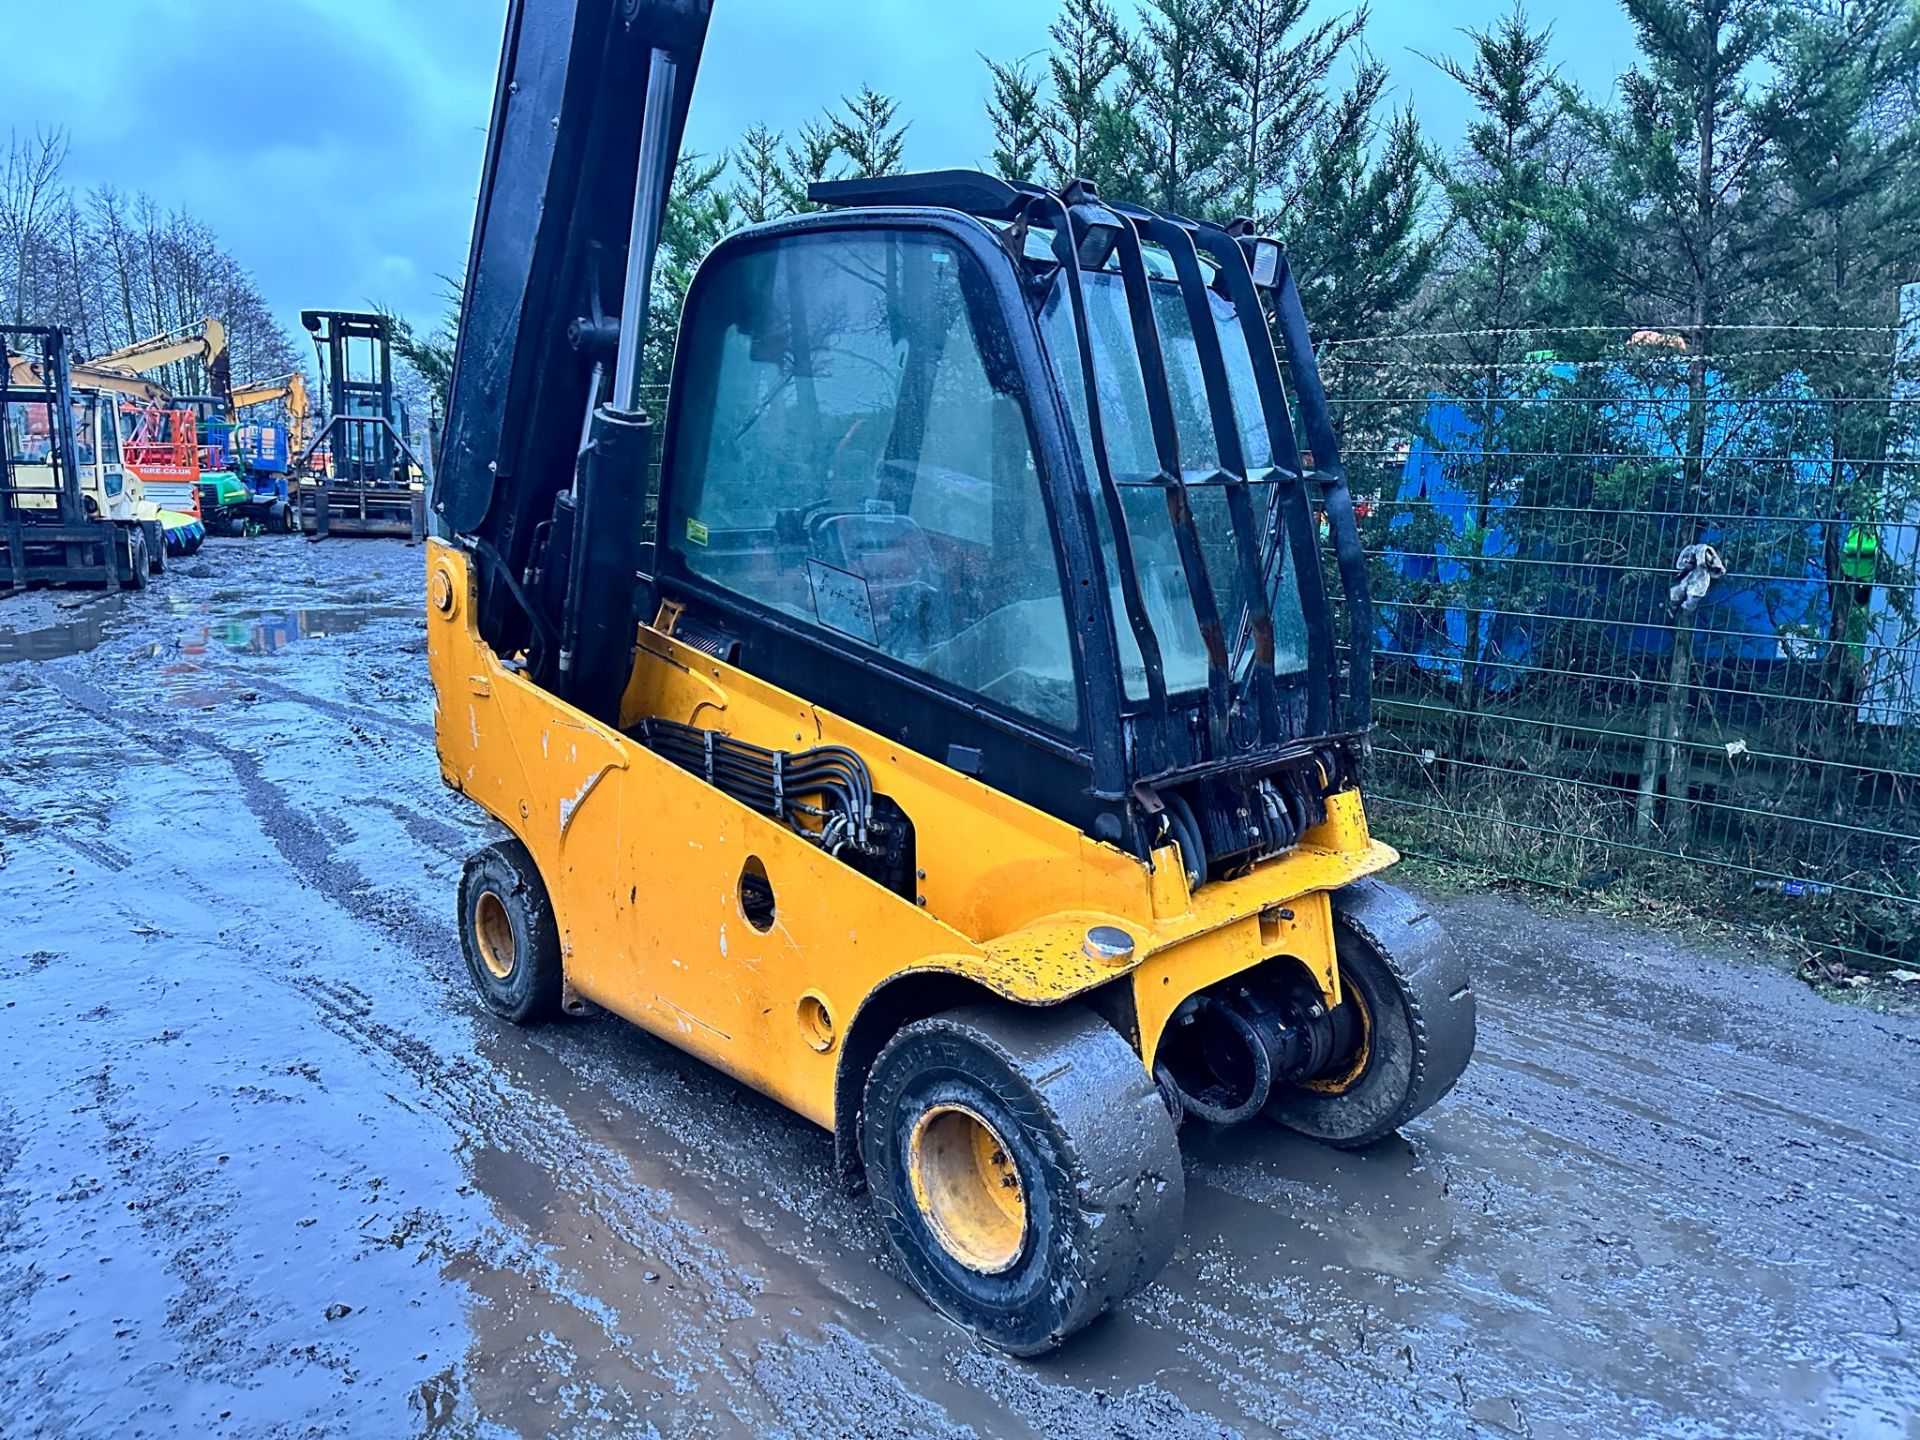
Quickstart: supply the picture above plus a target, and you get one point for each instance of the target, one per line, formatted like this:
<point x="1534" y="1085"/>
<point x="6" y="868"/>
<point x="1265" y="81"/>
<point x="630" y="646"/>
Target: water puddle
<point x="82" y="627"/>
<point x="191" y="677"/>
<point x="271" y="631"/>
<point x="86" y="624"/>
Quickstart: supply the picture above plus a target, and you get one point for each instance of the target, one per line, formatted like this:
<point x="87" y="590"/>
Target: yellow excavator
<point x="961" y="751"/>
<point x="256" y="492"/>
<point x="205" y="343"/>
<point x="130" y="371"/>
<point x="289" y="390"/>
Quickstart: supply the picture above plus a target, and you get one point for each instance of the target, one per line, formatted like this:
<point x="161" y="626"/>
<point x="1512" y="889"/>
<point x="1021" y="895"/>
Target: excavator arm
<point x="588" y="115"/>
<point x="290" y="388"/>
<point x="25" y="372"/>
<point x="206" y="343"/>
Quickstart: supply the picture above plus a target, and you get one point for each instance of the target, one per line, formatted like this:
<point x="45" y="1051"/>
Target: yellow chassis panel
<point x="643" y="861"/>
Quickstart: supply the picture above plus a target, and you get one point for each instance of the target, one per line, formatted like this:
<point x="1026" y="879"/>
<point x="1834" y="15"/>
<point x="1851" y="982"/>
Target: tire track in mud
<point x="1213" y="1339"/>
<point x="348" y="1012"/>
<point x="22" y="1277"/>
<point x="312" y="856"/>
<point x="724" y="1291"/>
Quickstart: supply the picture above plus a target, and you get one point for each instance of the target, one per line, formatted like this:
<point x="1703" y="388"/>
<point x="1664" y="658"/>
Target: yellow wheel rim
<point x="1340" y="1081"/>
<point x="493" y="930"/>
<point x="968" y="1188"/>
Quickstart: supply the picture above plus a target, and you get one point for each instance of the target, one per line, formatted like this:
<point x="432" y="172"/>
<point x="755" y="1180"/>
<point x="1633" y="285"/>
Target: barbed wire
<point x="1629" y="331"/>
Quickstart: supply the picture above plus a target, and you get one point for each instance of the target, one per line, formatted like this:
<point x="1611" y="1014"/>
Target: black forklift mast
<point x="572" y="194"/>
<point x="367" y="448"/>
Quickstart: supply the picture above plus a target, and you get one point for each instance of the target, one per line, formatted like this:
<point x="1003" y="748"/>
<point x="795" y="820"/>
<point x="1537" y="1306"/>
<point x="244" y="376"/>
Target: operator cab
<point x="1005" y="474"/>
<point x="1012" y="477"/>
<point x="106" y="491"/>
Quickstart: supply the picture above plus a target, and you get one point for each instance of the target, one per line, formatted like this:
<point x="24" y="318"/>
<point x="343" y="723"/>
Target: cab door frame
<point x="1079" y="779"/>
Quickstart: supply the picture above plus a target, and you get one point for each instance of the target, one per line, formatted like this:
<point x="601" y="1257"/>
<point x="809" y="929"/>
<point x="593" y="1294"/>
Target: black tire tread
<point x="1413" y="948"/>
<point x="510" y="868"/>
<point x="156" y="534"/>
<point x="131" y="538"/>
<point x="1116" y="1142"/>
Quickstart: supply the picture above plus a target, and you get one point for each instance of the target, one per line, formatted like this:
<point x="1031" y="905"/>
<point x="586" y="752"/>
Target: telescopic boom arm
<point x="589" y="109"/>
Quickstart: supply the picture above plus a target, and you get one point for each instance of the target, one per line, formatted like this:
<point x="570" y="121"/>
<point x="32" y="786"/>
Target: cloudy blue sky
<point x="335" y="144"/>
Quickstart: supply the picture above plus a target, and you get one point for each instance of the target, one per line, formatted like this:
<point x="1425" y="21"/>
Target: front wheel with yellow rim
<point x="1024" y="1167"/>
<point x="1409" y="1025"/>
<point x="508" y="934"/>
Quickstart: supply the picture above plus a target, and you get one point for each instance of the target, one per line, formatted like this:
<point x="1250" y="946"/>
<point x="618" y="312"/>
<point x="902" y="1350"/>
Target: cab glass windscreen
<point x="850" y="452"/>
<point x="1134" y="464"/>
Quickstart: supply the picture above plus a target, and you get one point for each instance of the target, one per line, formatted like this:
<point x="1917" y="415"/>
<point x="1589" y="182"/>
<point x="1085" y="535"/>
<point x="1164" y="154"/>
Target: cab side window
<point x="846" y="454"/>
<point x="109" y="431"/>
<point x="83" y="415"/>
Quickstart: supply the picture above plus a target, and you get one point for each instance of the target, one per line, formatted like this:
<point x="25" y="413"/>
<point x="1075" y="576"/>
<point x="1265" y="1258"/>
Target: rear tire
<point x="508" y="934"/>
<point x="156" y="534"/>
<point x="1024" y="1167"/>
<point x="1416" y="1007"/>
<point x="134" y="557"/>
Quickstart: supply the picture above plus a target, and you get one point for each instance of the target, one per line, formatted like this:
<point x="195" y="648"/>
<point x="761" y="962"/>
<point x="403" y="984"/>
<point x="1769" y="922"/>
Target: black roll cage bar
<point x="1073" y="215"/>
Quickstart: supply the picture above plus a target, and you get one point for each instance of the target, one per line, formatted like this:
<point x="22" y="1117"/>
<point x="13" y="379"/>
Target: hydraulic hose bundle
<point x="1224" y="822"/>
<point x="825" y="793"/>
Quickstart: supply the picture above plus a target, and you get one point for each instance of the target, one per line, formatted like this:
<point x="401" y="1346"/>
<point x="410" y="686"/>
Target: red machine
<point x="164" y="452"/>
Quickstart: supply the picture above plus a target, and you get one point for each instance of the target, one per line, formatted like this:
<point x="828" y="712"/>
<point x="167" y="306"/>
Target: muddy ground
<point x="264" y="1169"/>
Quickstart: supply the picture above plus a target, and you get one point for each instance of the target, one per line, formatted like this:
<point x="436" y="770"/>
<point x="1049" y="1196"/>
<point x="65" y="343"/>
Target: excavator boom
<point x="24" y="371"/>
<point x="206" y="343"/>
<point x="292" y="389"/>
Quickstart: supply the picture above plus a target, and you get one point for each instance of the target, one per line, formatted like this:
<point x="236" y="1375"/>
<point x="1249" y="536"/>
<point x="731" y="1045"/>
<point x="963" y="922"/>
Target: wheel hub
<point x="968" y="1188"/>
<point x="493" y="930"/>
<point x="1355" y="1034"/>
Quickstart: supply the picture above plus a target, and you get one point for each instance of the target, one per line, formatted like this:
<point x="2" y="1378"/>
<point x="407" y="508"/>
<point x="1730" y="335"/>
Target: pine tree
<point x="1846" y="165"/>
<point x="1081" y="66"/>
<point x="764" y="185"/>
<point x="1500" y="190"/>
<point x="1277" y="83"/>
<point x="699" y="215"/>
<point x="1845" y="230"/>
<point x="864" y="132"/>
<point x="1672" y="232"/>
<point x="808" y="160"/>
<point x="1014" y="110"/>
<point x="1180" y="95"/>
<point x="1358" y="237"/>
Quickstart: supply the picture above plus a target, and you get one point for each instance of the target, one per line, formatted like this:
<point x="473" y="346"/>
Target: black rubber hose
<point x="1186" y="827"/>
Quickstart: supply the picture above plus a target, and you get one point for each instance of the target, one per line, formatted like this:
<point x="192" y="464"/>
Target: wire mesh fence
<point x="1646" y="616"/>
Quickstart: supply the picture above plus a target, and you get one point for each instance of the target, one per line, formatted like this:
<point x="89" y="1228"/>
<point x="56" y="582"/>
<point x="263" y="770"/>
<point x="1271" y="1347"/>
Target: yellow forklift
<point x="958" y="751"/>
